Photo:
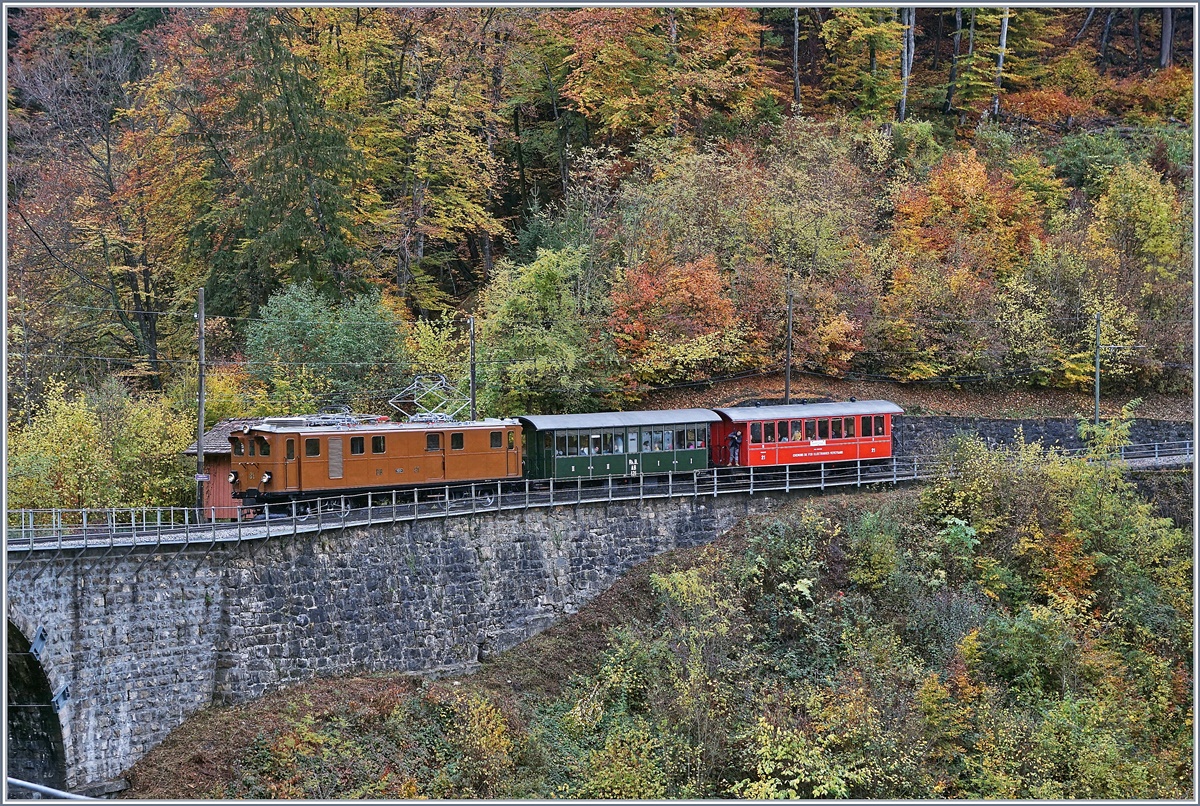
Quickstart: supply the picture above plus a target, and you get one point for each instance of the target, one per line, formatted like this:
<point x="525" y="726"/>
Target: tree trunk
<point x="1104" y="37"/>
<point x="1084" y="27"/>
<point x="796" y="60"/>
<point x="907" y="20"/>
<point x="971" y="36"/>
<point x="954" y="60"/>
<point x="937" y="42"/>
<point x="1000" y="61"/>
<point x="1137" y="35"/>
<point x="1168" y="34"/>
<point x="520" y="156"/>
<point x="672" y="58"/>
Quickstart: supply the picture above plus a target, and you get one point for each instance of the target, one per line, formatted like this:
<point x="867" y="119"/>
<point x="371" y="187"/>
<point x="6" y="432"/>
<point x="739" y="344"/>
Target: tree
<point x="537" y="353"/>
<point x="350" y="348"/>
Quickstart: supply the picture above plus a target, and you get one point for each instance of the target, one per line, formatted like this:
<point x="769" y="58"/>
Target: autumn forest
<point x="622" y="198"/>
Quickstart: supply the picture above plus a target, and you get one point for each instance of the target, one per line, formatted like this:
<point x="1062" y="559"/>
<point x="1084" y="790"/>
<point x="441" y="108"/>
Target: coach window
<point x="357" y="446"/>
<point x="312" y="447"/>
<point x="849" y="426"/>
<point x="619" y="442"/>
<point x="238" y="447"/>
<point x="291" y="449"/>
<point x="378" y="444"/>
<point x="594" y="443"/>
<point x="797" y="430"/>
<point x="822" y="429"/>
<point x="645" y="442"/>
<point x="264" y="447"/>
<point x="769" y="432"/>
<point x="668" y="440"/>
<point x="866" y="424"/>
<point x="572" y="444"/>
<point x="497" y="440"/>
<point x="691" y="438"/>
<point x="810" y="429"/>
<point x="608" y="443"/>
<point x="701" y="436"/>
<point x="755" y="433"/>
<point x="836" y="428"/>
<point x="433" y="442"/>
<point x="456" y="441"/>
<point x="656" y="440"/>
<point x="681" y="439"/>
<point x="560" y="444"/>
<point x="879" y="425"/>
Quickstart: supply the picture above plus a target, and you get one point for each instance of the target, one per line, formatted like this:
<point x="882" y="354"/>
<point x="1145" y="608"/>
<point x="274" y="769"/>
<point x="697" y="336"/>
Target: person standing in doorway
<point x="735" y="443"/>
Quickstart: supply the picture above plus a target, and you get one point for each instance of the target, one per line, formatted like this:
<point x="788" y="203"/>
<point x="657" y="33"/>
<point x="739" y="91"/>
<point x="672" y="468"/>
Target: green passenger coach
<point x="621" y="443"/>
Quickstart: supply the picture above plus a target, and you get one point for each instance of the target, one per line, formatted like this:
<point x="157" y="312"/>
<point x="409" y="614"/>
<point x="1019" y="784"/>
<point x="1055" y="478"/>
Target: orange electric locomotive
<point x="292" y="458"/>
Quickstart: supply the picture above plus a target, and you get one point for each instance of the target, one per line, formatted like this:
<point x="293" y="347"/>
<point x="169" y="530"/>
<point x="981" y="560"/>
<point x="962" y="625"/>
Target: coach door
<point x="433" y="464"/>
<point x="291" y="469"/>
<point x="514" y="454"/>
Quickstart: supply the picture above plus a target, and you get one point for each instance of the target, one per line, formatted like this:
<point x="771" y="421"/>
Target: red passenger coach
<point x="806" y="433"/>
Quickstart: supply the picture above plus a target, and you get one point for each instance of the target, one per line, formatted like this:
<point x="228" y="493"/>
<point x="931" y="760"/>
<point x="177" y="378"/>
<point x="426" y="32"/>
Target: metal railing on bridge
<point x="36" y="531"/>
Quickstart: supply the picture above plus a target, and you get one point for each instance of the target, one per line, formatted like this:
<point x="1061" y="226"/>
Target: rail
<point x="33" y="531"/>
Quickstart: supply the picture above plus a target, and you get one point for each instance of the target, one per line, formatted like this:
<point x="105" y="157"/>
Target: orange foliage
<point x="1048" y="106"/>
<point x="968" y="217"/>
<point x="675" y="301"/>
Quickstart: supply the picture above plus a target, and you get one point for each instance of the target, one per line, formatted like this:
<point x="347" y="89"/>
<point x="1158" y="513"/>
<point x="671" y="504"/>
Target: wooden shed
<point x="218" y="493"/>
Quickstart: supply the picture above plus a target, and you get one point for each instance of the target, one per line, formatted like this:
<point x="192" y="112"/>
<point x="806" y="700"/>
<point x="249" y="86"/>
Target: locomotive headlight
<point x="266" y="477"/>
<point x="233" y="476"/>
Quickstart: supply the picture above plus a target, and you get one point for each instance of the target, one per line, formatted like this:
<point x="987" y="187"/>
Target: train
<point x="285" y="459"/>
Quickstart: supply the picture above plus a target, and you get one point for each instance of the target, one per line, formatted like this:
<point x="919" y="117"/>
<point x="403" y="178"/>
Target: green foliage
<point x="307" y="350"/>
<point x="535" y="351"/>
<point x="100" y="450"/>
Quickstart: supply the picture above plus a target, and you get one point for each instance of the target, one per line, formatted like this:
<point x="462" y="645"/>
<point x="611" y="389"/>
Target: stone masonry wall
<point x="919" y="435"/>
<point x="133" y="637"/>
<point x="437" y="595"/>
<point x="146" y="640"/>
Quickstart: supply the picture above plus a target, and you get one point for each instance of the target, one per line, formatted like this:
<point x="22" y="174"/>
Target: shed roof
<point x="742" y="414"/>
<point x="614" y="419"/>
<point x="216" y="439"/>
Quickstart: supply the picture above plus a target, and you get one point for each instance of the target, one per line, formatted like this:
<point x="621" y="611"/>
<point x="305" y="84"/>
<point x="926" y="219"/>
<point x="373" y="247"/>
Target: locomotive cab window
<point x="290" y="453"/>
<point x="239" y="447"/>
<point x="378" y="444"/>
<point x="312" y="447"/>
<point x="456" y="441"/>
<point x="264" y="447"/>
<point x="512" y="440"/>
<point x="251" y="441"/>
<point x="497" y="440"/>
<point x="357" y="445"/>
<point x="433" y="442"/>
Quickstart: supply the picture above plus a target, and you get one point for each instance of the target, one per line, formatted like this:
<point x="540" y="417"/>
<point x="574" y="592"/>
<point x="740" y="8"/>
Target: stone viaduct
<point x="111" y="650"/>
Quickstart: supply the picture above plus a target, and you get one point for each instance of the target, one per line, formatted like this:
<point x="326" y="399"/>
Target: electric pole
<point x="200" y="414"/>
<point x="787" y="377"/>
<point x="471" y="322"/>
<point x="1097" y="384"/>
